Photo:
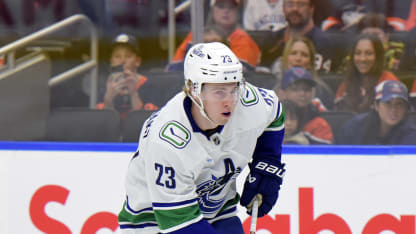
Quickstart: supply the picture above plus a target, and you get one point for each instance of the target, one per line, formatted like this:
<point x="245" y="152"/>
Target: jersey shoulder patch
<point x="175" y="134"/>
<point x="250" y="96"/>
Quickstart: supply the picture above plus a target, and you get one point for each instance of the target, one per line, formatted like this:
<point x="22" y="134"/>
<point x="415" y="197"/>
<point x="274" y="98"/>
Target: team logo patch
<point x="175" y="134"/>
<point x="250" y="97"/>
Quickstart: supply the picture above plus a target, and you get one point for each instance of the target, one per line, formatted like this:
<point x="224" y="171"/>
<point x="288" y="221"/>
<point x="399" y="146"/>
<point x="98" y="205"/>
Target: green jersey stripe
<point x="277" y="123"/>
<point x="171" y="218"/>
<point x="143" y="217"/>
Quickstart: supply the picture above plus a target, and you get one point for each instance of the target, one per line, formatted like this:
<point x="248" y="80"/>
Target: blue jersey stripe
<point x="173" y="204"/>
<point x="143" y="225"/>
<point x="139" y="211"/>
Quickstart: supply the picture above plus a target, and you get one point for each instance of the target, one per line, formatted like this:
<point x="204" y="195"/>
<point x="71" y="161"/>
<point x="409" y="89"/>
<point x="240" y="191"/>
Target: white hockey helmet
<point x="211" y="63"/>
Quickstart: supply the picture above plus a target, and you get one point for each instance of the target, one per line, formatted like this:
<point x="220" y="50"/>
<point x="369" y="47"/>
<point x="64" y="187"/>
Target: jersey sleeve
<point x="269" y="144"/>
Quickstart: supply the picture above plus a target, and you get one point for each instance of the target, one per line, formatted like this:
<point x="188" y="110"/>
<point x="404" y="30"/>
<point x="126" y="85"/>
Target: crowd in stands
<point x="350" y="56"/>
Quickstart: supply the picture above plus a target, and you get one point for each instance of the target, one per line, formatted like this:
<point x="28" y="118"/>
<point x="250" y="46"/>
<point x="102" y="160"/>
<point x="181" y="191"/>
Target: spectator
<point x="293" y="130"/>
<point x="387" y="124"/>
<point x="350" y="12"/>
<point x="264" y="15"/>
<point x="376" y="24"/>
<point x="120" y="90"/>
<point x="299" y="16"/>
<point x="344" y="16"/>
<point x="365" y="70"/>
<point x="300" y="52"/>
<point x="298" y="86"/>
<point x="224" y="16"/>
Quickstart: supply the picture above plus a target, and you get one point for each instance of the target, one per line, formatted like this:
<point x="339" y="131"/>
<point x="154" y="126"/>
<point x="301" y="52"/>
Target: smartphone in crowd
<point x="117" y="71"/>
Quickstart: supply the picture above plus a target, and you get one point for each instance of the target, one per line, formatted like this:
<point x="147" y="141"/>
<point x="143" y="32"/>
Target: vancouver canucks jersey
<point x="179" y="175"/>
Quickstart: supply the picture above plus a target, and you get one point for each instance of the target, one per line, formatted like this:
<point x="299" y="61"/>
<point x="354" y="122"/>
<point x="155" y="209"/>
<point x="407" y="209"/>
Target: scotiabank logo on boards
<point x="311" y="225"/>
<point x="56" y="193"/>
<point x="279" y="225"/>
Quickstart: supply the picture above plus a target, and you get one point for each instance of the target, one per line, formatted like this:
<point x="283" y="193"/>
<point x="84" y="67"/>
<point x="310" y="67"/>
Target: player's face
<point x="364" y="56"/>
<point x="391" y="112"/>
<point x="225" y="14"/>
<point x="297" y="12"/>
<point x="300" y="93"/>
<point x="219" y="101"/>
<point x="291" y="124"/>
<point x="124" y="55"/>
<point x="299" y="56"/>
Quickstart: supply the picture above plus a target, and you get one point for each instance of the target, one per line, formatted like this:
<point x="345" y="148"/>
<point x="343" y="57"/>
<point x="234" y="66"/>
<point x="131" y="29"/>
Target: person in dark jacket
<point x="298" y="86"/>
<point x="387" y="124"/>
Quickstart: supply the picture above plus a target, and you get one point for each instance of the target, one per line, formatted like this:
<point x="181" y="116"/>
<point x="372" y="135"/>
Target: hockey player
<point x="182" y="179"/>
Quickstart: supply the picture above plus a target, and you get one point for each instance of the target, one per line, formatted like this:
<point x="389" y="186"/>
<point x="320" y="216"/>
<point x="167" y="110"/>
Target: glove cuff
<point x="270" y="168"/>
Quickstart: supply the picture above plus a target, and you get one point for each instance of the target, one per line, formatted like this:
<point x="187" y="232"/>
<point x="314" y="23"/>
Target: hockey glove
<point x="265" y="179"/>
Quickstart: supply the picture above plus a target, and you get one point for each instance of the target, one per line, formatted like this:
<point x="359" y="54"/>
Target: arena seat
<point x="25" y="98"/>
<point x="337" y="120"/>
<point x="132" y="125"/>
<point x="83" y="125"/>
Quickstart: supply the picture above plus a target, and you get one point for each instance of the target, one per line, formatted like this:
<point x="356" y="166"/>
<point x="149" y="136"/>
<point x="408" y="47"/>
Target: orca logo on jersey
<point x="250" y="97"/>
<point x="211" y="192"/>
<point x="175" y="134"/>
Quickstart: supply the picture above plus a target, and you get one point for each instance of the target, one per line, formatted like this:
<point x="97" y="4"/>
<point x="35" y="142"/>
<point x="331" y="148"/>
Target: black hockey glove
<point x="265" y="179"/>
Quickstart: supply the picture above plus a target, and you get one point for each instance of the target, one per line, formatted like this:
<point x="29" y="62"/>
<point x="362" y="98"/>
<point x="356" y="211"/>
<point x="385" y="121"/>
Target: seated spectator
<point x="376" y="24"/>
<point x="224" y="16"/>
<point x="300" y="52"/>
<point x="387" y="124"/>
<point x="293" y="130"/>
<point x="264" y="15"/>
<point x="121" y="89"/>
<point x="350" y="12"/>
<point x="298" y="86"/>
<point x="299" y="16"/>
<point x="344" y="16"/>
<point x="365" y="70"/>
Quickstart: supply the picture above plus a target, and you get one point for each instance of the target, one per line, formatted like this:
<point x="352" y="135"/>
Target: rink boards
<point x="79" y="188"/>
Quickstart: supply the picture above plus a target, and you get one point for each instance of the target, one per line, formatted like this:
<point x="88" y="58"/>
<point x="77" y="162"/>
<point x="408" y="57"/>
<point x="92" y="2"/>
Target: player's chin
<point x="225" y="116"/>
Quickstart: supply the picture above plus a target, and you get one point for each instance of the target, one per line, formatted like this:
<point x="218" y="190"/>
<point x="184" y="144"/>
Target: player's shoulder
<point x="168" y="127"/>
<point x="260" y="104"/>
<point x="257" y="97"/>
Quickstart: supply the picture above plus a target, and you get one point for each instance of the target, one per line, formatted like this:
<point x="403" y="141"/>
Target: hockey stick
<point x="254" y="211"/>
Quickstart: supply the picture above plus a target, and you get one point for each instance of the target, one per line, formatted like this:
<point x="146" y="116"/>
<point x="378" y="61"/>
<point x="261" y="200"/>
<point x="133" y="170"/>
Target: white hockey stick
<point x="254" y="211"/>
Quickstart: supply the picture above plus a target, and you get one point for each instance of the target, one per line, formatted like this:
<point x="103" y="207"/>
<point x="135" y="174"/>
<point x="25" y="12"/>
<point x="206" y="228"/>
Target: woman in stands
<point x="300" y="52"/>
<point x="387" y="124"/>
<point x="224" y="16"/>
<point x="365" y="70"/>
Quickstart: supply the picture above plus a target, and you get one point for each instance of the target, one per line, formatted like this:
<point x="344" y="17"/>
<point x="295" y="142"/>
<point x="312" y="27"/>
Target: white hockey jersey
<point x="179" y="176"/>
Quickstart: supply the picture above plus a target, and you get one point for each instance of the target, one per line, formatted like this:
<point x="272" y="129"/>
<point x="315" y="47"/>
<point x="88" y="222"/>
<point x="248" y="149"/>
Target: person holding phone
<point x="124" y="82"/>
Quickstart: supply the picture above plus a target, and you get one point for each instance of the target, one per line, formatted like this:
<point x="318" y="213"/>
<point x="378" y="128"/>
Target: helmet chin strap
<point x="201" y="109"/>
